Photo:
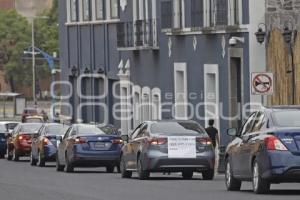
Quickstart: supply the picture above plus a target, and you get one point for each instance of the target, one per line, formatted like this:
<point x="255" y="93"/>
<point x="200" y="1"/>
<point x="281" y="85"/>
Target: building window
<point x="178" y="9"/>
<point x="156" y="104"/>
<point x="86" y="10"/>
<point x="166" y="14"/>
<point x="234" y="12"/>
<point x="197" y="13"/>
<point x="146" y="104"/>
<point x="221" y="13"/>
<point x="99" y="5"/>
<point x="73" y="10"/>
<point x="114" y="9"/>
<point x="180" y="86"/>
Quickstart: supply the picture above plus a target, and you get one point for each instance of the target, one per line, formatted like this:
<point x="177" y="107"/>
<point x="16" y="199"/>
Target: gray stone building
<point x="159" y="59"/>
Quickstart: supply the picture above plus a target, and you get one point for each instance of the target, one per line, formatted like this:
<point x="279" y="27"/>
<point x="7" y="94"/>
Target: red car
<point x="29" y="112"/>
<point x="19" y="142"/>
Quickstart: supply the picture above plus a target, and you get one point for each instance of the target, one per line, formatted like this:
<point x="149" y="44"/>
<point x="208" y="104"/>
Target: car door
<point x="138" y="143"/>
<point x="237" y="152"/>
<point x="62" y="147"/>
<point x="35" y="143"/>
<point x="128" y="151"/>
<point x="251" y="142"/>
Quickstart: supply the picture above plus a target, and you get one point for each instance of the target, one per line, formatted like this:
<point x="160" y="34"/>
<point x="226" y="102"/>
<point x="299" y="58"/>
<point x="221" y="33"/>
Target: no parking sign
<point x="262" y="83"/>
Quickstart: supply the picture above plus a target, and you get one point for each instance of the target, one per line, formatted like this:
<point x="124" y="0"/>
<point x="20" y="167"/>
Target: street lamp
<point x="260" y="34"/>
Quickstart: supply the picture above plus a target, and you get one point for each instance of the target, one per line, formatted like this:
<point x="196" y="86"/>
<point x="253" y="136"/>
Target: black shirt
<point x="213" y="134"/>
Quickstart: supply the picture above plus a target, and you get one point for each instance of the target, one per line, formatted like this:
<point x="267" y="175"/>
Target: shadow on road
<point x="278" y="192"/>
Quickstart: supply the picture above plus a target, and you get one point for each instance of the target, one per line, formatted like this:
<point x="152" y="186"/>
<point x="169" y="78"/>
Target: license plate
<point x="99" y="145"/>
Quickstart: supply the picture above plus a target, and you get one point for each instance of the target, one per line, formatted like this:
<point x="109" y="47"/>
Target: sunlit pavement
<point x="20" y="181"/>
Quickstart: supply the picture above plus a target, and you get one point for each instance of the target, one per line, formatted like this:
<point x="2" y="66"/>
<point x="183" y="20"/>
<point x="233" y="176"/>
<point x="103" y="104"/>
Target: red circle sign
<point x="262" y="83"/>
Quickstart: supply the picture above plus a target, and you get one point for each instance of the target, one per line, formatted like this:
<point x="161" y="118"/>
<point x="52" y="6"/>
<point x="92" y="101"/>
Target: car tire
<point x="260" y="185"/>
<point x="232" y="184"/>
<point x="16" y="156"/>
<point x="187" y="175"/>
<point x="33" y="161"/>
<point x="110" y="169"/>
<point x="208" y="175"/>
<point x="9" y="156"/>
<point x="69" y="167"/>
<point x="142" y="174"/>
<point x="2" y="156"/>
<point x="59" y="167"/>
<point x="41" y="161"/>
<point x="124" y="172"/>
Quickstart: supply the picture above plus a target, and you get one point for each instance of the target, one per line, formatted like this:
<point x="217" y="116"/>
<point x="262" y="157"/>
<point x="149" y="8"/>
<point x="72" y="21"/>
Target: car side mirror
<point x="125" y="138"/>
<point x="232" y="132"/>
<point x="59" y="138"/>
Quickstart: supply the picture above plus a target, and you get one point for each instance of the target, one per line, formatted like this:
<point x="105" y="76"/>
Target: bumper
<point x="159" y="162"/>
<point x="283" y="167"/>
<point x="96" y="159"/>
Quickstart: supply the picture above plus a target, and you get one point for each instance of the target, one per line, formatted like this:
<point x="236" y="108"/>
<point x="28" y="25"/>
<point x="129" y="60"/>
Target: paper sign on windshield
<point x="182" y="147"/>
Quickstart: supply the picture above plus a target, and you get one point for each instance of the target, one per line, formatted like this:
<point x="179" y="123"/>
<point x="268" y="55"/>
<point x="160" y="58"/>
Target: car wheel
<point x="9" y="156"/>
<point x="124" y="172"/>
<point x="208" y="175"/>
<point x="187" y="175"/>
<point x="69" y="167"/>
<point x="232" y="184"/>
<point x="41" y="161"/>
<point x="15" y="155"/>
<point x="260" y="185"/>
<point x="110" y="169"/>
<point x="2" y="156"/>
<point x="142" y="174"/>
<point x="33" y="161"/>
<point x="59" y="167"/>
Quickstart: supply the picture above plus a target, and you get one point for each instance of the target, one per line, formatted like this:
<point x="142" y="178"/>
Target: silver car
<point x="168" y="146"/>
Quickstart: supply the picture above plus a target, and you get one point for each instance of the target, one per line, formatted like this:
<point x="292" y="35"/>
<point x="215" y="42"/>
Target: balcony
<point x="138" y="35"/>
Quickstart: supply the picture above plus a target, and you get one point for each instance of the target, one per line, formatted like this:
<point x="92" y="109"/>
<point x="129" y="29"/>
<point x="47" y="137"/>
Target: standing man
<point x="212" y="132"/>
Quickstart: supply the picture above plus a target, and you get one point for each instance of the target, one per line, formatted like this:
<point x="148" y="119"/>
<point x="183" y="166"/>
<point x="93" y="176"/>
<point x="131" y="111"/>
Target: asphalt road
<point x="20" y="181"/>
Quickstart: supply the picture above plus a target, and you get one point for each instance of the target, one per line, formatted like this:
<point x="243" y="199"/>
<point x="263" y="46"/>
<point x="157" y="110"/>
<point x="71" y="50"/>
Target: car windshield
<point x="30" y="128"/>
<point x="177" y="128"/>
<point x="89" y="130"/>
<point x="56" y="129"/>
<point x="290" y="118"/>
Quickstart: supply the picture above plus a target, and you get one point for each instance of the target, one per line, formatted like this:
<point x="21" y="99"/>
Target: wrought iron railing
<point x="140" y="33"/>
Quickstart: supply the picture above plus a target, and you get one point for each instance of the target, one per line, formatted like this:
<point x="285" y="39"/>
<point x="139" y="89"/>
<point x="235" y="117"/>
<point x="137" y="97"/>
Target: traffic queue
<point x="265" y="151"/>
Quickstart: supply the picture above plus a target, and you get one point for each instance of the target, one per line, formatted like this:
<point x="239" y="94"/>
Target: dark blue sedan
<point x="266" y="150"/>
<point x="5" y="129"/>
<point x="44" y="143"/>
<point x="88" y="146"/>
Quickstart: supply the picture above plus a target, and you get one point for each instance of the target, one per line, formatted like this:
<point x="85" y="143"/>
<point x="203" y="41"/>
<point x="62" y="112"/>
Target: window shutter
<point x="222" y="12"/>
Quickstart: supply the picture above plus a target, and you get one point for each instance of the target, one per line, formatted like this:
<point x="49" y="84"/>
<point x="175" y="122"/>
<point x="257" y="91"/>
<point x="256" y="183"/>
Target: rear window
<point x="181" y="128"/>
<point x="289" y="118"/>
<point x="89" y="130"/>
<point x="11" y="126"/>
<point x="3" y="128"/>
<point x="34" y="120"/>
<point x="30" y="111"/>
<point x="109" y="130"/>
<point x="56" y="129"/>
<point x="30" y="128"/>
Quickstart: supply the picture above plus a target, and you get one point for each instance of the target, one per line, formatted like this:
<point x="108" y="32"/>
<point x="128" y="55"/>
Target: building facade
<point x="159" y="59"/>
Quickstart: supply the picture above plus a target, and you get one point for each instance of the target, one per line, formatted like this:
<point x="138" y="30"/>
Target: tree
<point x="14" y="37"/>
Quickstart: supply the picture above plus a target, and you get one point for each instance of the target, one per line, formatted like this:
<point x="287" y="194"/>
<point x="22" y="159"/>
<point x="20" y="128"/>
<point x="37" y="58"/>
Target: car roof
<point x="170" y="120"/>
<point x="9" y="122"/>
<point x="282" y="107"/>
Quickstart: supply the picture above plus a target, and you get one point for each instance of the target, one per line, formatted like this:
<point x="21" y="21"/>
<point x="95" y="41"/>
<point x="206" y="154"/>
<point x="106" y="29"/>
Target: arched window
<point x="137" y="118"/>
<point x="156" y="104"/>
<point x="146" y="104"/>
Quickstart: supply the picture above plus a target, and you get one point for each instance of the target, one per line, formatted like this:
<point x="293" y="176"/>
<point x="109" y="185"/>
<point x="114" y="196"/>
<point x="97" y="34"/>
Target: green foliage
<point x="14" y="37"/>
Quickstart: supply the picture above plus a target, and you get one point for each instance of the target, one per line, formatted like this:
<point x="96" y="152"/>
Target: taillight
<point x="204" y="141"/>
<point x="273" y="143"/>
<point x="158" y="141"/>
<point x="46" y="141"/>
<point x="24" y="137"/>
<point x="80" y="140"/>
<point x="117" y="141"/>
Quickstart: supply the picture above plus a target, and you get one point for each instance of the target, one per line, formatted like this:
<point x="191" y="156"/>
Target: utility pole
<point x="33" y="65"/>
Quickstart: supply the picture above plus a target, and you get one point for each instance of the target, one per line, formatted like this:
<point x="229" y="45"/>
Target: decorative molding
<point x="223" y="46"/>
<point x="195" y="43"/>
<point x="170" y="47"/>
<point x="123" y="4"/>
